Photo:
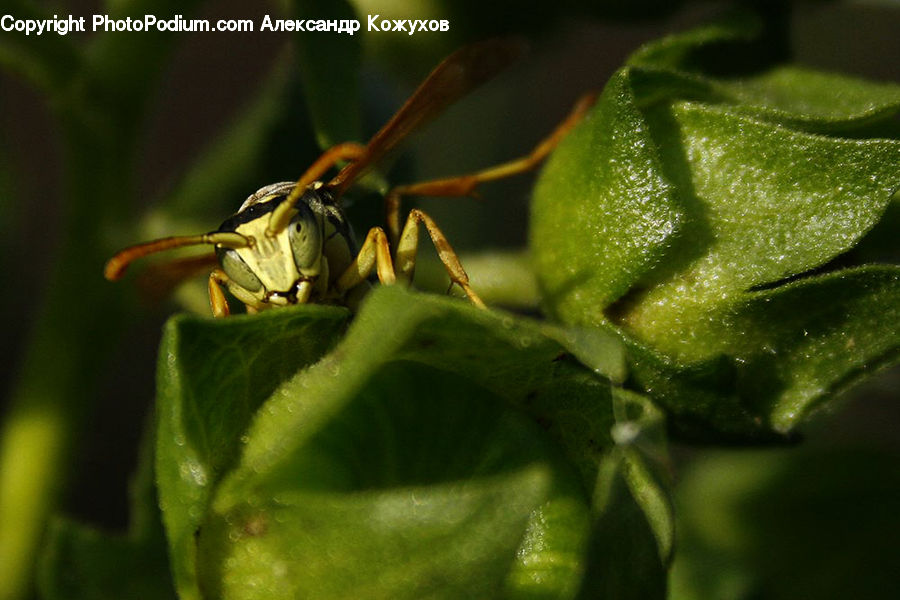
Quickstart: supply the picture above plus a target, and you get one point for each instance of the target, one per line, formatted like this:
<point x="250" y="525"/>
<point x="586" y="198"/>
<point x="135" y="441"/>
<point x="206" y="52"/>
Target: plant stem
<point x="74" y="332"/>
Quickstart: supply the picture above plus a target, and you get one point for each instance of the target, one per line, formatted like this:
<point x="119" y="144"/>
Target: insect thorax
<point x="298" y="263"/>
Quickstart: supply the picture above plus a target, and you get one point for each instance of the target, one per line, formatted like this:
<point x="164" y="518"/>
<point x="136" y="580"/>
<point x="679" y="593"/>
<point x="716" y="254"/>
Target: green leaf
<point x="786" y="94"/>
<point x="633" y="526"/>
<point x="678" y="52"/>
<point x="764" y="203"/>
<point x="397" y="496"/>
<point x="623" y="560"/>
<point x="443" y="421"/>
<point x="807" y="98"/>
<point x="640" y="437"/>
<point x="794" y="346"/>
<point x="79" y="561"/>
<point x="602" y="213"/>
<point x="551" y="553"/>
<point x="678" y="218"/>
<point x="212" y="376"/>
<point x="527" y="366"/>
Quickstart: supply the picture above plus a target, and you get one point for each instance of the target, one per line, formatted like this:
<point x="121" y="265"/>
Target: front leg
<point x="374" y="254"/>
<point x="217" y="302"/>
<point x="408" y="246"/>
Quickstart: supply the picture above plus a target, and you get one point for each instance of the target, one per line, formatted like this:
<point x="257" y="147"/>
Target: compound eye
<point x="306" y="237"/>
<point x="237" y="270"/>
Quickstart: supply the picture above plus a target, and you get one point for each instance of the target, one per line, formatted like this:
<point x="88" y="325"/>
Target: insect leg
<point x="409" y="244"/>
<point x="464" y="185"/>
<point x="217" y="302"/>
<point x="374" y="254"/>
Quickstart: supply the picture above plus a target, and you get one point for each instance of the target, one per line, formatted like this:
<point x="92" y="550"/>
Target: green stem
<point x="75" y="330"/>
<point x="32" y="443"/>
<point x="100" y="92"/>
<point x="55" y="391"/>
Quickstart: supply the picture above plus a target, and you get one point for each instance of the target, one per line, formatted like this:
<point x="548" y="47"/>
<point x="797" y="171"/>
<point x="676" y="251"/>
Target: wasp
<point x="290" y="242"/>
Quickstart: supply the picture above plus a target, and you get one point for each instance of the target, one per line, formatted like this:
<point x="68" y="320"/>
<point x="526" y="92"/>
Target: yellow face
<point x="275" y="269"/>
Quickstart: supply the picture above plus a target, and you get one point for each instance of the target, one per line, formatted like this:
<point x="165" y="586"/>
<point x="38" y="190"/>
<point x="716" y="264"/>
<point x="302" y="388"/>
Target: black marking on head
<point x="321" y="201"/>
<point x="252" y="212"/>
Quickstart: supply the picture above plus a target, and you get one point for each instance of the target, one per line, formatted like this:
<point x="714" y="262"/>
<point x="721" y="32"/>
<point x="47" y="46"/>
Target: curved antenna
<point x="453" y="78"/>
<point x="282" y="214"/>
<point x="116" y="266"/>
